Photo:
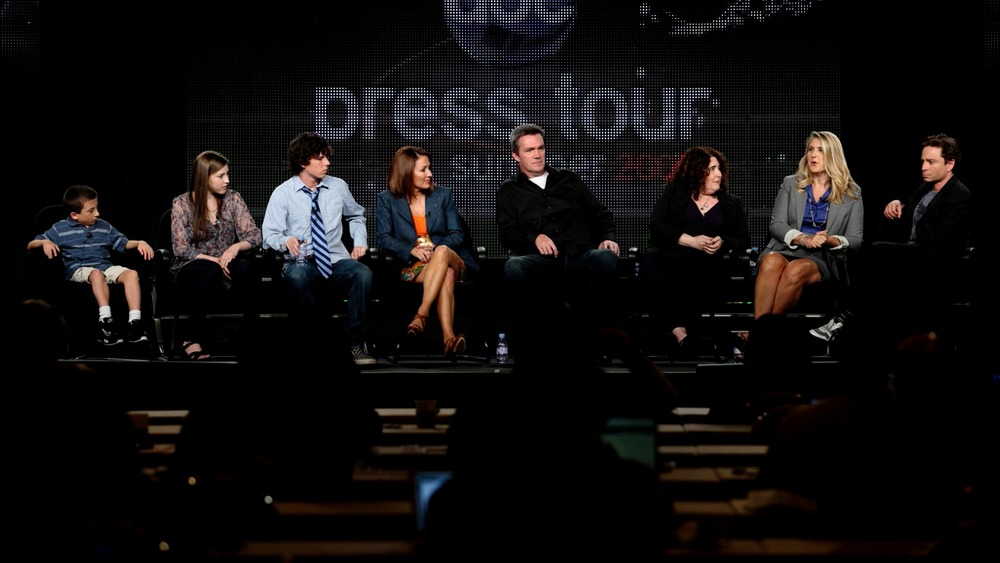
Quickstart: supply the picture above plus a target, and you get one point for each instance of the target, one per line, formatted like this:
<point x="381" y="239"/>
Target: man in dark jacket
<point x="912" y="273"/>
<point x="551" y="223"/>
<point x="938" y="215"/>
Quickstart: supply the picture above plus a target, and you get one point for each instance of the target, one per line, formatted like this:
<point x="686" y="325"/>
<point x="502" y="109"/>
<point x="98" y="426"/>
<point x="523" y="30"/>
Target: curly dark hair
<point x="690" y="171"/>
<point x="303" y="147"/>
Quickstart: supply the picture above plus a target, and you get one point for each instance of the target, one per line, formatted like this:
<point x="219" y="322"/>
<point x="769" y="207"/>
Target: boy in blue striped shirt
<point x="85" y="242"/>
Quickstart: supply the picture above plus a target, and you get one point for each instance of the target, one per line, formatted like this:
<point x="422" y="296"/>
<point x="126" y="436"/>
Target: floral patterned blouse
<point x="234" y="224"/>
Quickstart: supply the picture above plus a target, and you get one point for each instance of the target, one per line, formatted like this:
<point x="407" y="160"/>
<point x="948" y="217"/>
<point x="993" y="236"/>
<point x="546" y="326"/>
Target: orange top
<point x="420" y="222"/>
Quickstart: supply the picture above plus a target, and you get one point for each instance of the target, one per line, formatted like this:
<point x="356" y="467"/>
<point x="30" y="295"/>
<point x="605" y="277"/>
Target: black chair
<point x="46" y="279"/>
<point x="947" y="305"/>
<point x="403" y="297"/>
<point x="171" y="296"/>
<point x="733" y="303"/>
<point x="825" y="300"/>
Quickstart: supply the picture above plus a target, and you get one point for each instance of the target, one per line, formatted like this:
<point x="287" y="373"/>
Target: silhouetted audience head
<point x="927" y="371"/>
<point x="908" y="463"/>
<point x="532" y="474"/>
<point x="778" y="354"/>
<point x="42" y="335"/>
<point x="294" y="430"/>
<point x="74" y="466"/>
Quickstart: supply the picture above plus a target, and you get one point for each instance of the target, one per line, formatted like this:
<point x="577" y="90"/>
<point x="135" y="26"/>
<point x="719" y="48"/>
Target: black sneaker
<point x="361" y="357"/>
<point x="106" y="333"/>
<point x="135" y="332"/>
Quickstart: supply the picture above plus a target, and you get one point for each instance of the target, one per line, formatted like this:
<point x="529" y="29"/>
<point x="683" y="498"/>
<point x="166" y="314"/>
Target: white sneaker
<point x="829" y="331"/>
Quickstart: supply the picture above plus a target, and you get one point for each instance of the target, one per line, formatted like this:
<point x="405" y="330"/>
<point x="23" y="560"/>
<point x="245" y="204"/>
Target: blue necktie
<point x="321" y="248"/>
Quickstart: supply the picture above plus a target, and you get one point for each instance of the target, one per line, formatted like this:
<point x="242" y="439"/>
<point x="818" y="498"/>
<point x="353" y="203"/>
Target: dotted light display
<point x="622" y="88"/>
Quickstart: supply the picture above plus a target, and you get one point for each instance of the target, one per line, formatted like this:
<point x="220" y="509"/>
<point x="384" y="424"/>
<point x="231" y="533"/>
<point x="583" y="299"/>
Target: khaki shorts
<point x="82" y="274"/>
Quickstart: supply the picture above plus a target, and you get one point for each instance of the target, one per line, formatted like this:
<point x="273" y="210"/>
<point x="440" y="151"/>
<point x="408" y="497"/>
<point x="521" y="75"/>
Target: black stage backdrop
<point x="123" y="101"/>
<point x="621" y="88"/>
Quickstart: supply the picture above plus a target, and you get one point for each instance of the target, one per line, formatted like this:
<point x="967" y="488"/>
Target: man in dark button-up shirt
<point x="552" y="224"/>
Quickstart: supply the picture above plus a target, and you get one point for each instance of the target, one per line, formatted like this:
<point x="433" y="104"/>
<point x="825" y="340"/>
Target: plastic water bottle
<point x="502" y="357"/>
<point x="303" y="252"/>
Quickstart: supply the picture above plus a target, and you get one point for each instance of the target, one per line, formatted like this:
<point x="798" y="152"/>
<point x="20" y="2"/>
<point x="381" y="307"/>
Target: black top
<point x="672" y="216"/>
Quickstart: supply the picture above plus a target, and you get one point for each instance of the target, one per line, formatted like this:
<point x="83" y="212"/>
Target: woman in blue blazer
<point x="818" y="211"/>
<point x="418" y="223"/>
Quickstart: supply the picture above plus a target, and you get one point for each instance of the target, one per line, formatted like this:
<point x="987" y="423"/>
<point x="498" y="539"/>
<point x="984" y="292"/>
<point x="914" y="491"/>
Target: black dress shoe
<point x="685" y="349"/>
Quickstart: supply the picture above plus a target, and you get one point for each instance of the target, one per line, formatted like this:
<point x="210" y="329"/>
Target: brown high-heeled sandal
<point x="416" y="326"/>
<point x="454" y="345"/>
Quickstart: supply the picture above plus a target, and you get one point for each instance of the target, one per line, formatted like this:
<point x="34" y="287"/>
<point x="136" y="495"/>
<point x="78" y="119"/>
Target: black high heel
<point x="686" y="348"/>
<point x="741" y="341"/>
<point x="198" y="355"/>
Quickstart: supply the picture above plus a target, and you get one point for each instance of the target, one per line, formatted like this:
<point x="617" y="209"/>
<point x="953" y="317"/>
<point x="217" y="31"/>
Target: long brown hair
<point x="205" y="164"/>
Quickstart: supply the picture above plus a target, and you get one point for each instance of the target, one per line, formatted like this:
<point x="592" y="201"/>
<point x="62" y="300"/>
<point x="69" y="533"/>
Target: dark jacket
<point x="396" y="233"/>
<point x="946" y="224"/>
<point x="566" y="211"/>
<point x="669" y="220"/>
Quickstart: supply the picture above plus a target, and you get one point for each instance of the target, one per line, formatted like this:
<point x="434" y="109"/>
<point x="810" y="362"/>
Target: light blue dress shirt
<point x="288" y="214"/>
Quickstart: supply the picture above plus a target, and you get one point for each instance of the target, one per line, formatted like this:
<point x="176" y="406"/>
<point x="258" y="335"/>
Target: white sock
<point x="104" y="312"/>
<point x="134" y="315"/>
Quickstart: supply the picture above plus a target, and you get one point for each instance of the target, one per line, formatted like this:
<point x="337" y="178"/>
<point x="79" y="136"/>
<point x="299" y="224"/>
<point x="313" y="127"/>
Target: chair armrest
<point x="841" y="260"/>
<point x="271" y="262"/>
<point x="255" y="253"/>
<point x="37" y="264"/>
<point x="162" y="258"/>
<point x="134" y="260"/>
<point x="741" y="262"/>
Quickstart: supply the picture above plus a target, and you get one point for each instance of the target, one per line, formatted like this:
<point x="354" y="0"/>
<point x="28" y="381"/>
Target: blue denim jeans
<point x="304" y="284"/>
<point x="593" y="273"/>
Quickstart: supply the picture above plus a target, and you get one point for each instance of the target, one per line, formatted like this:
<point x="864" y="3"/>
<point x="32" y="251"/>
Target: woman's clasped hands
<point x="815" y="241"/>
<point x="707" y="244"/>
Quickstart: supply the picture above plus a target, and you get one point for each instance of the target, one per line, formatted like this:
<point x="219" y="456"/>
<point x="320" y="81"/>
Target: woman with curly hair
<point x="694" y="226"/>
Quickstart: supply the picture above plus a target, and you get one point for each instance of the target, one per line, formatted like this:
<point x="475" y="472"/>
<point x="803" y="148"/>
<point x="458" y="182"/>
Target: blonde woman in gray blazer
<point x="818" y="211"/>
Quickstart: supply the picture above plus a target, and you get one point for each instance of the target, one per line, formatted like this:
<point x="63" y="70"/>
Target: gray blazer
<point x="845" y="219"/>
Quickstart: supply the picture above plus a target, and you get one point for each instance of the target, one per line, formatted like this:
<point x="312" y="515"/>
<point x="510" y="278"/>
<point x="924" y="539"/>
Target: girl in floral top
<point x="211" y="230"/>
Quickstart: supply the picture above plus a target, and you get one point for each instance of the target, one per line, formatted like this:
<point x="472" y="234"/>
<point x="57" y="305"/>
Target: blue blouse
<point x="814" y="215"/>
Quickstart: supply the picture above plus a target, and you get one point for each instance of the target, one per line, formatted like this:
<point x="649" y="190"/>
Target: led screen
<point x="622" y="88"/>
